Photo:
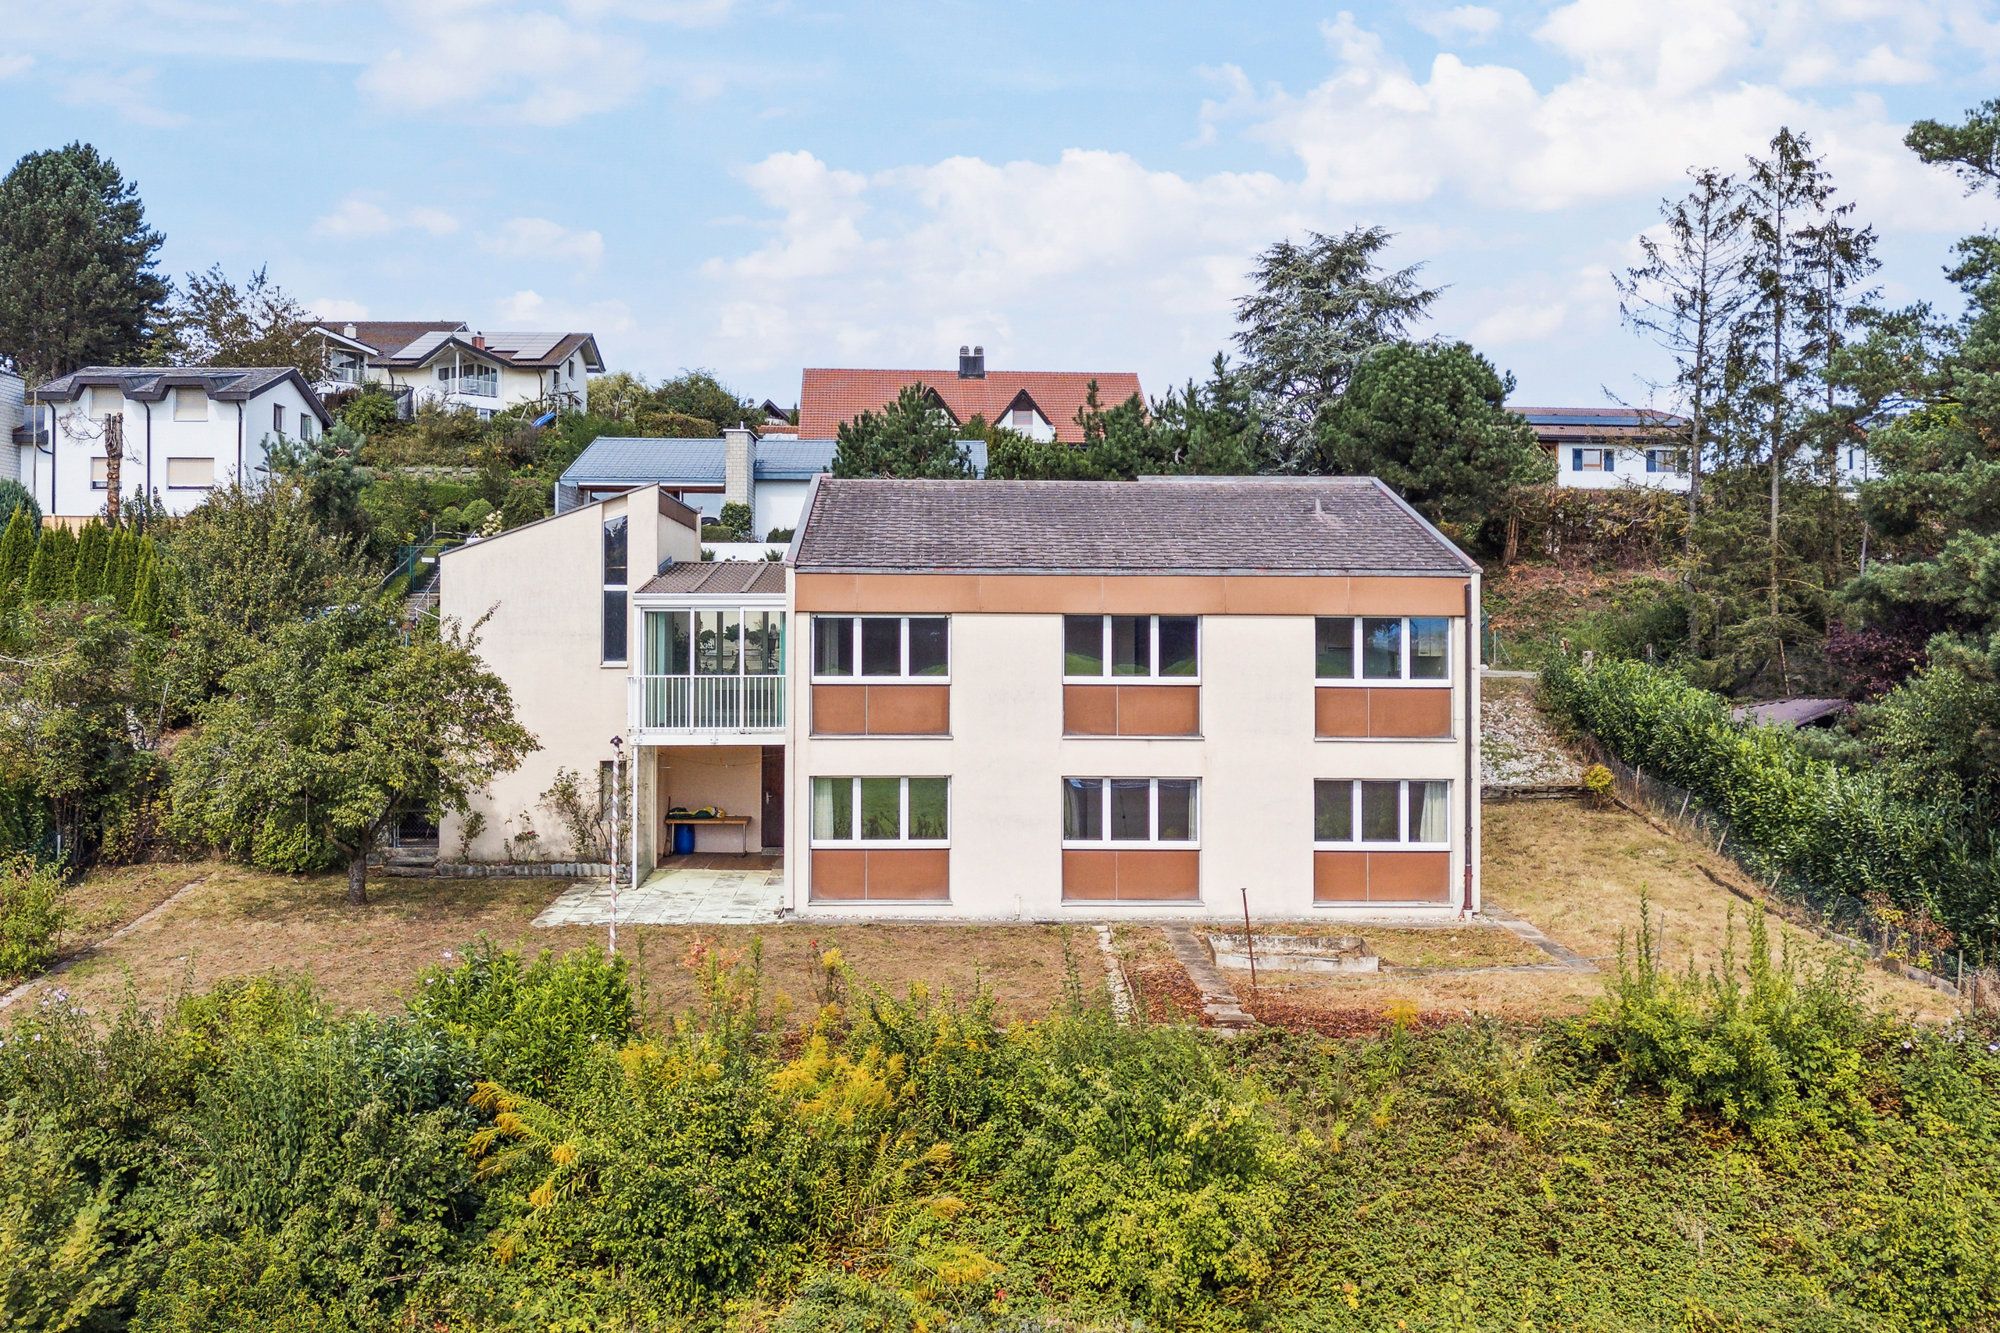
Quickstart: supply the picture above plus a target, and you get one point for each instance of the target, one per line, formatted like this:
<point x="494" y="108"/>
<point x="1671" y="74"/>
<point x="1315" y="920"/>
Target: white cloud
<point x="128" y="92"/>
<point x="334" y="309"/>
<point x="357" y="217"/>
<point x="1883" y="65"/>
<point x="1473" y="23"/>
<point x="530" y="310"/>
<point x="541" y="239"/>
<point x="11" y="65"/>
<point x="681" y="13"/>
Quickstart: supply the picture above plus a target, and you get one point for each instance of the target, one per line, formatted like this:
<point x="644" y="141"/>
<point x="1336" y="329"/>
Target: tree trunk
<point x="114" y="458"/>
<point x="357" y="879"/>
<point x="1694" y="469"/>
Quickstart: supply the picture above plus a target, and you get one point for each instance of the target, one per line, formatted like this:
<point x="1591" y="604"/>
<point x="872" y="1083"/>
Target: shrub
<point x="1769" y="1048"/>
<point x="13" y="495"/>
<point x="1598" y="782"/>
<point x="530" y="1023"/>
<point x="737" y="519"/>
<point x="31" y="915"/>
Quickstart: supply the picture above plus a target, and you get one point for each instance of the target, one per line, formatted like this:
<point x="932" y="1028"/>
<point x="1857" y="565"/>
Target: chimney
<point x="348" y="331"/>
<point x="737" y="483"/>
<point x="972" y="364"/>
<point x="479" y="341"/>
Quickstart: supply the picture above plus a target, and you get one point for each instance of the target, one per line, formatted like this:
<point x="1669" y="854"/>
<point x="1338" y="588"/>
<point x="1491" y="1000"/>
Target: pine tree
<point x="17" y="548"/>
<point x="87" y="571"/>
<point x="78" y="285"/>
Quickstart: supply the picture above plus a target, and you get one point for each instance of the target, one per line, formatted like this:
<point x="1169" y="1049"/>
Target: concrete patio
<point x="697" y="890"/>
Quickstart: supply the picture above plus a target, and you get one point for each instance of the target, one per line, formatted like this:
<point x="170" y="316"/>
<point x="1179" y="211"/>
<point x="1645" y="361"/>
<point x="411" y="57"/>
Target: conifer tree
<point x="53" y="566"/>
<point x="117" y="584"/>
<point x="145" y="611"/>
<point x="87" y="571"/>
<point x="17" y="548"/>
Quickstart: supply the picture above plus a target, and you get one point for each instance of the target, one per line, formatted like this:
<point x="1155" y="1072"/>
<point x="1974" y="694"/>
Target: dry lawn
<point x="1580" y="874"/>
<point x="235" y="922"/>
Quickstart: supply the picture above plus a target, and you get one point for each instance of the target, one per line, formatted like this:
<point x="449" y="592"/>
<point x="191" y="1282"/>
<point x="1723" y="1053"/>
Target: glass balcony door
<point x="714" y="669"/>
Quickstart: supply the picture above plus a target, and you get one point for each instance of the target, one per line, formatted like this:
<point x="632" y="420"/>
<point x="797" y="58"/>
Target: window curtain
<point x="1430" y="812"/>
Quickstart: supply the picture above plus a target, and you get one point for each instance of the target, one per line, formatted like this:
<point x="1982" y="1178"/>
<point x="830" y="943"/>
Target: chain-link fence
<point x="1903" y="945"/>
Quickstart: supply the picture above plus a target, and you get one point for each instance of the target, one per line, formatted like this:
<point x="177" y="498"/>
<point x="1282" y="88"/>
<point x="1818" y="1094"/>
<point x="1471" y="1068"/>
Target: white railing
<point x="708" y="703"/>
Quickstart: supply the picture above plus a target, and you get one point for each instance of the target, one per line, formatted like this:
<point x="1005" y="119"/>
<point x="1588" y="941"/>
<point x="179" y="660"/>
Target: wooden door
<point x="771" y="828"/>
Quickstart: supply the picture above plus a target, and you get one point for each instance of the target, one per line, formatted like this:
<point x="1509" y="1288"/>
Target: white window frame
<point x="1402" y="843"/>
<point x="1153" y="659"/>
<point x="208" y="485"/>
<point x="854" y="840"/>
<point x="1152" y="838"/>
<point x="903" y="676"/>
<point x="1605" y="459"/>
<point x="181" y="409"/>
<point x="1408" y="643"/>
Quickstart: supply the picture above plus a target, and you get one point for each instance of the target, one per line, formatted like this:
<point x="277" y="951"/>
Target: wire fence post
<point x="1249" y="942"/>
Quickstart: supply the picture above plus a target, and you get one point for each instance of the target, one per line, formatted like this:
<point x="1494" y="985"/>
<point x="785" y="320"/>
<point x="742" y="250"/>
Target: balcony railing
<point x="708" y="703"/>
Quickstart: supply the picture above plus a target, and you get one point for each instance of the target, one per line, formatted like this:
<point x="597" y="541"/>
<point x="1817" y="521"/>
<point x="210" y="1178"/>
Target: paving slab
<point x="679" y="897"/>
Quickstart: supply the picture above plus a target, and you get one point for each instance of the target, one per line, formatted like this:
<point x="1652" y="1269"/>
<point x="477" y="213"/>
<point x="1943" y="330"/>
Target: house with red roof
<point x="1041" y="404"/>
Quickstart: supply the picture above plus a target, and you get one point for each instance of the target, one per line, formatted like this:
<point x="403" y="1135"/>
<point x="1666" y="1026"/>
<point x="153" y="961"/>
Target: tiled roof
<point x="149" y="384"/>
<point x="1318" y="525"/>
<point x="612" y="460"/>
<point x="720" y="577"/>
<point x="829" y="397"/>
<point x="385" y="336"/>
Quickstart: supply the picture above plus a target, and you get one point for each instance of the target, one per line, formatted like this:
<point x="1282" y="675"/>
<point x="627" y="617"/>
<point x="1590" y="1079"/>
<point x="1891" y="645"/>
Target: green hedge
<point x="1838" y="832"/>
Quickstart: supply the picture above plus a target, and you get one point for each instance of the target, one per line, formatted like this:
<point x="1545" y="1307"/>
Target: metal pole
<point x="1249" y="943"/>
<point x="617" y="848"/>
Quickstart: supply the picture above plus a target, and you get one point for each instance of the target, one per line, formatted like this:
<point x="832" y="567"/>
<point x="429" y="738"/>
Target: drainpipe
<point x="239" y="443"/>
<point x="1471" y="734"/>
<point x="149" y="451"/>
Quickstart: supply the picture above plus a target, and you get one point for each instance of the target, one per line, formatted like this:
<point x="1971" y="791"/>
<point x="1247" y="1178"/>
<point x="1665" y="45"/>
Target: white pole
<point x="617" y="770"/>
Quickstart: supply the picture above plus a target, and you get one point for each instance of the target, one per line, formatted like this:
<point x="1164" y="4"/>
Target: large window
<point x="1590" y="460"/>
<point x="882" y="648"/>
<point x="1666" y="460"/>
<point x="877" y="812"/>
<point x="190" y="474"/>
<point x="719" y="641"/>
<point x="615" y="588"/>
<point x="1120" y="812"/>
<point x="1132" y="648"/>
<point x="1382" y="649"/>
<point x="1382" y="814"/>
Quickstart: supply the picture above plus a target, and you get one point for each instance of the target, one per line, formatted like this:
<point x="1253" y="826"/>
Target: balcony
<point x="712" y="708"/>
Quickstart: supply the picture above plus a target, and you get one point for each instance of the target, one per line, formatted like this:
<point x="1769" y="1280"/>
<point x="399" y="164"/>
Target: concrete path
<point x="1490" y="674"/>
<point x="1224" y="1010"/>
<point x="679" y="897"/>
<point x="1114" y="975"/>
<point x="1570" y="959"/>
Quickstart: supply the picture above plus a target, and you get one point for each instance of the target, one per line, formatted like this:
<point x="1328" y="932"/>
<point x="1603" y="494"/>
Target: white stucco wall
<point x="62" y="484"/>
<point x="543" y="585"/>
<point x="729" y="777"/>
<point x="1257" y="759"/>
<point x="1628" y="468"/>
<point x="778" y="504"/>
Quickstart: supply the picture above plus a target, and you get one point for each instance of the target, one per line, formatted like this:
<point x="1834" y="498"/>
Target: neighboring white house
<point x="1603" y="448"/>
<point x="186" y="430"/>
<point x="771" y="473"/>
<point x="445" y="362"/>
<point x="13" y="425"/>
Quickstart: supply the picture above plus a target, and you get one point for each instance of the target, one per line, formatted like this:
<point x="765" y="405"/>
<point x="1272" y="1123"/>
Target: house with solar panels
<point x="449" y="364"/>
<point x="771" y="474"/>
<point x="1603" y="448"/>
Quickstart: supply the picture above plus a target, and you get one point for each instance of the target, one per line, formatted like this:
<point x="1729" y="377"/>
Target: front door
<point x="772" y="826"/>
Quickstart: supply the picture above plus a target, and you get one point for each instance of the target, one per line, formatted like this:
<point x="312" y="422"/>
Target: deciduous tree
<point x="214" y="322"/>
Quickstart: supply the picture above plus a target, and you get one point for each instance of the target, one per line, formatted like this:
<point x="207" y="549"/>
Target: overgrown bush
<point x="532" y="1023"/>
<point x="1843" y="834"/>
<point x="31" y="915"/>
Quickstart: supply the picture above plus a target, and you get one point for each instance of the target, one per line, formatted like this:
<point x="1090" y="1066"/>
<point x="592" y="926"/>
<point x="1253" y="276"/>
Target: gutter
<point x="149" y="451"/>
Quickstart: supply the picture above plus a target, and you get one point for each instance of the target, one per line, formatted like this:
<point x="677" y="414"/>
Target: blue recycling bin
<point x="683" y="840"/>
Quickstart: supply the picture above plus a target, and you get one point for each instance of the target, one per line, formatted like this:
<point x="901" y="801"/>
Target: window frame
<point x="903" y="676"/>
<point x="1401" y="681"/>
<point x="100" y="472"/>
<point x="1602" y="454"/>
<point x="1107" y="676"/>
<point x="178" y="409"/>
<point x="854" y="841"/>
<point x="1666" y="460"/>
<point x="208" y="485"/>
<point x="1402" y="843"/>
<point x="1152" y="840"/>
<point x="607" y="587"/>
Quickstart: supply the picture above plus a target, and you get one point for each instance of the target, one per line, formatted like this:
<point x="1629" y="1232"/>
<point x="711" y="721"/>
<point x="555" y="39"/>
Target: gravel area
<point x="1518" y="747"/>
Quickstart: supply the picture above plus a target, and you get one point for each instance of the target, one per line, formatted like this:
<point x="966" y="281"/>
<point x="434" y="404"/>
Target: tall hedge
<point x="1838" y="831"/>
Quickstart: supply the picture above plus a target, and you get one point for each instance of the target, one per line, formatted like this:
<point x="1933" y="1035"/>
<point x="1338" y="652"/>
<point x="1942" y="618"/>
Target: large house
<point x="1603" y="448"/>
<point x="770" y="473"/>
<point x="448" y="363"/>
<point x="185" y="430"/>
<point x="1041" y="404"/>
<point x="1034" y="700"/>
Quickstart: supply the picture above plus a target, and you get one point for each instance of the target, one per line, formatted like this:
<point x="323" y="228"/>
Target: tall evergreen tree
<point x="78" y="285"/>
<point x="17" y="549"/>
<point x="1319" y="308"/>
<point x="87" y="572"/>
<point x="1686" y="293"/>
<point x="52" y="568"/>
<point x="911" y="437"/>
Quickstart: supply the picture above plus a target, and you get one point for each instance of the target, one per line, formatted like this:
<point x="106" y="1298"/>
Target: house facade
<point x="770" y="473"/>
<point x="446" y="363"/>
<point x="186" y="430"/>
<point x="1603" y="448"/>
<point x="1041" y="404"/>
<point x="1013" y="700"/>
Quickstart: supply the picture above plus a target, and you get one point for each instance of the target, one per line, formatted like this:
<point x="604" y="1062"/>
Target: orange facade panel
<point x="1133" y="594"/>
<point x="881" y="874"/>
<point x="1132" y="710"/>
<point x="1381" y="877"/>
<point x="1358" y="712"/>
<point x="1137" y="875"/>
<point x="881" y="710"/>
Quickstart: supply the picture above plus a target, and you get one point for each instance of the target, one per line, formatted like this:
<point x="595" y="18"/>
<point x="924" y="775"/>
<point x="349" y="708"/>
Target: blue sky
<point x="755" y="187"/>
